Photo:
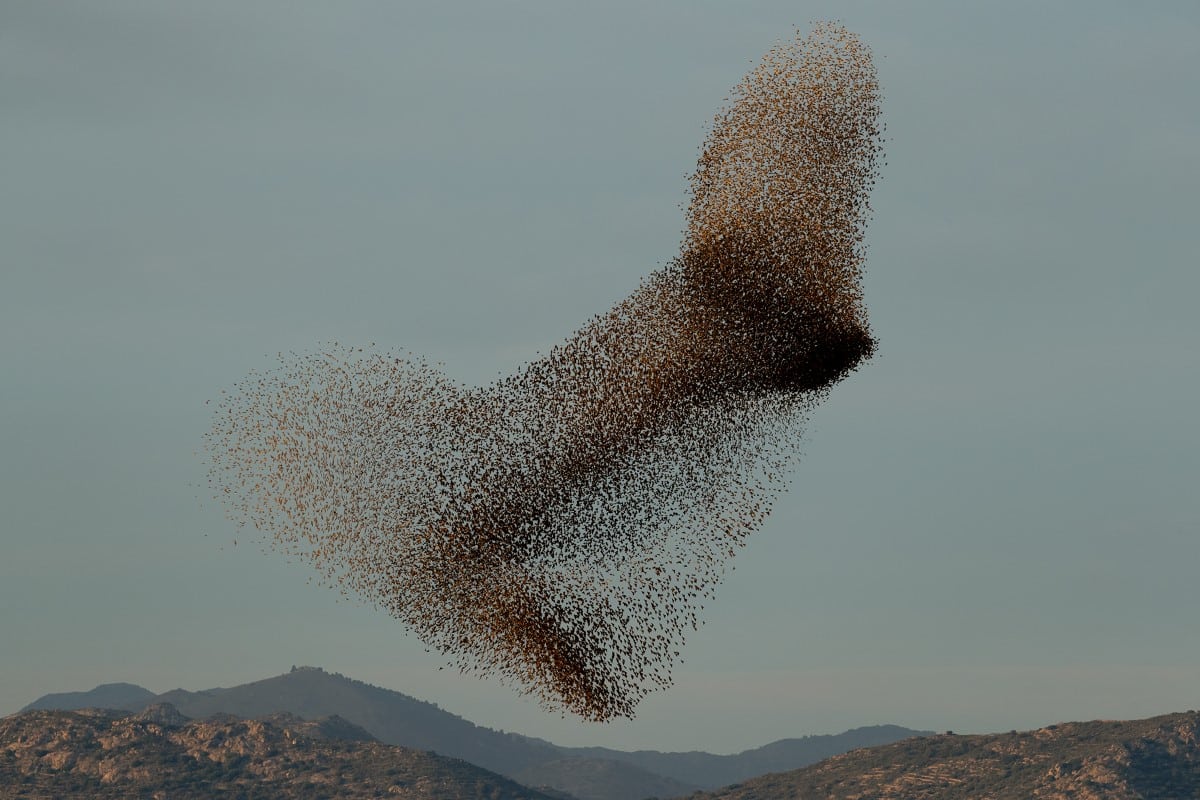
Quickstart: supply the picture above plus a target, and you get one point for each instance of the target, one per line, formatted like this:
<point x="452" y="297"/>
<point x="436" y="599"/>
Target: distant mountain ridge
<point x="106" y="695"/>
<point x="709" y="770"/>
<point x="395" y="718"/>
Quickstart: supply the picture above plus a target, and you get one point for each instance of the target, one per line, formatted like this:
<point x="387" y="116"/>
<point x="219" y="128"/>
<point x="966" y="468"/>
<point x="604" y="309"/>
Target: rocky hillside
<point x="591" y="773"/>
<point x="1156" y="758"/>
<point x="391" y="717"/>
<point x="160" y="753"/>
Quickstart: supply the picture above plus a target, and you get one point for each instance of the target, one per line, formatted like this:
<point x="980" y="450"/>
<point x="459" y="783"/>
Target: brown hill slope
<point x="160" y="753"/>
<point x="1155" y="758"/>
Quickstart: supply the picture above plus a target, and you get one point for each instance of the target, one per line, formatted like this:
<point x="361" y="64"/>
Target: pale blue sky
<point x="994" y="524"/>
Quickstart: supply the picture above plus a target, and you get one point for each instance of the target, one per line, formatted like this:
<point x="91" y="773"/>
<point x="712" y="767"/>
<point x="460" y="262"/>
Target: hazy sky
<point x="994" y="523"/>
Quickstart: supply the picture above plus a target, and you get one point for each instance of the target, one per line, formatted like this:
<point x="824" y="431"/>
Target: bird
<point x="565" y="527"/>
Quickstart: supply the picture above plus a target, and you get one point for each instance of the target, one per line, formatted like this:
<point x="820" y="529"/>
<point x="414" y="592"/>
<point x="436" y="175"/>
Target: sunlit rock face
<point x="563" y="526"/>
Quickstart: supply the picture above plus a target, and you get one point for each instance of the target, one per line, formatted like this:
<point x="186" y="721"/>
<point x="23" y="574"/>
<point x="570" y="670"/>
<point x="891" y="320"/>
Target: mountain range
<point x="592" y="773"/>
<point x="159" y="753"/>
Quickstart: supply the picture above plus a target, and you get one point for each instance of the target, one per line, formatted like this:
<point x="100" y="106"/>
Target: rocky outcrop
<point x="159" y="752"/>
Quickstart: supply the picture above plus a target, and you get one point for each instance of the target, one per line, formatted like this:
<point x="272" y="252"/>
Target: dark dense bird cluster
<point x="563" y="526"/>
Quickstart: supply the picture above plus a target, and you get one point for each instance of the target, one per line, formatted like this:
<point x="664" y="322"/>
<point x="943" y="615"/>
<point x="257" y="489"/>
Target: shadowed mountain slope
<point x="601" y="779"/>
<point x="709" y="771"/>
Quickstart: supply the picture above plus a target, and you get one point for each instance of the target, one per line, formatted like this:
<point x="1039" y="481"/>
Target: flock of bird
<point x="563" y="527"/>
